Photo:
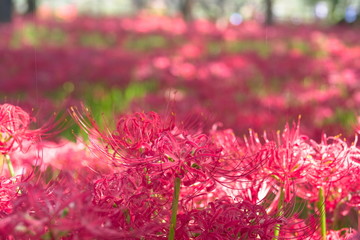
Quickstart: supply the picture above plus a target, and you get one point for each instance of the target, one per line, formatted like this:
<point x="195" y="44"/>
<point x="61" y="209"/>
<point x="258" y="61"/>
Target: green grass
<point x="36" y="36"/>
<point x="97" y="40"/>
<point x="145" y="43"/>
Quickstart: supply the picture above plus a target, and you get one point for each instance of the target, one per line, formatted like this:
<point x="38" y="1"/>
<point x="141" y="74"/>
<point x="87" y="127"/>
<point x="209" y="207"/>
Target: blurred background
<point x="242" y="63"/>
<point x="269" y="11"/>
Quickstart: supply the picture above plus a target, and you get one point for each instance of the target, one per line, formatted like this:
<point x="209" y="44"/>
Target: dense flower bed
<point x="155" y="177"/>
<point x="165" y="151"/>
<point x="277" y="73"/>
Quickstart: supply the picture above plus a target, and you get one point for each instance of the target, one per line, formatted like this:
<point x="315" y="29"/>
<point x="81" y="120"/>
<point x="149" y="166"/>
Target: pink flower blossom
<point x="8" y="193"/>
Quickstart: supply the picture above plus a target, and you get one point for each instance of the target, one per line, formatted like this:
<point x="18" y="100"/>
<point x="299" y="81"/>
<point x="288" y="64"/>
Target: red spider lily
<point x="145" y="141"/>
<point x="8" y="193"/>
<point x="16" y="136"/>
<point x="343" y="234"/>
<point x="14" y="123"/>
<point x="329" y="160"/>
<point x="344" y="193"/>
<point x="224" y="219"/>
<point x="135" y="133"/>
<point x="286" y="158"/>
<point x="254" y="186"/>
<point x="349" y="187"/>
<point x="294" y="228"/>
<point x="249" y="160"/>
<point x="14" y="128"/>
<point x="65" y="209"/>
<point x="134" y="204"/>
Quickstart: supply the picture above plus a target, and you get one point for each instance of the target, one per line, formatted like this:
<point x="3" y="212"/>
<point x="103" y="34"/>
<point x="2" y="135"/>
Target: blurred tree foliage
<point x="336" y="8"/>
<point x="216" y="10"/>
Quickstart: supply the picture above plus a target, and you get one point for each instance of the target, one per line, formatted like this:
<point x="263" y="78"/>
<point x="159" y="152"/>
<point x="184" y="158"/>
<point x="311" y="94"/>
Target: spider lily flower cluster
<point x="154" y="177"/>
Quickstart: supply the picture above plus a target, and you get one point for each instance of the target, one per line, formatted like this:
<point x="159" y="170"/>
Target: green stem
<point x="321" y="207"/>
<point x="9" y="164"/>
<point x="174" y="209"/>
<point x="280" y="206"/>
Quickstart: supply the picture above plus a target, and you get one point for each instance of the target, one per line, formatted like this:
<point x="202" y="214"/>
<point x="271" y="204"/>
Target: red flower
<point x="225" y="219"/>
<point x="330" y="161"/>
<point x="146" y="141"/>
<point x="14" y="128"/>
<point x="14" y="123"/>
<point x="8" y="192"/>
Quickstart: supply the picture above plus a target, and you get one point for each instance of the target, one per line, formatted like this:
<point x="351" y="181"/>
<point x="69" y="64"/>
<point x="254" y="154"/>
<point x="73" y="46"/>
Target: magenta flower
<point x="133" y="204"/>
<point x="166" y="153"/>
<point x="330" y="161"/>
<point x="14" y="123"/>
<point x="343" y="234"/>
<point x="225" y="219"/>
<point x="285" y="161"/>
<point x="8" y="193"/>
<point x="288" y="161"/>
<point x="146" y="141"/>
<point x="63" y="209"/>
<point x="15" y="134"/>
<point x="15" y="129"/>
<point x="250" y="158"/>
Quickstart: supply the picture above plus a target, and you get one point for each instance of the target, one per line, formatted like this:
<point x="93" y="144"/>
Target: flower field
<point x="150" y="128"/>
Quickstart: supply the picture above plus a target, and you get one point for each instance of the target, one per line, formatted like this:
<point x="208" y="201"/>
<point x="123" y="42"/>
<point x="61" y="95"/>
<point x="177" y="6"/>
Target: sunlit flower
<point x="14" y="124"/>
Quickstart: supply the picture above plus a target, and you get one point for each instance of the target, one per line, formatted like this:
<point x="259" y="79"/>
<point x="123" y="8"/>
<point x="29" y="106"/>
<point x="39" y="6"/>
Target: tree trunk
<point x="269" y="16"/>
<point x="31" y="7"/>
<point x="332" y="16"/>
<point x="5" y="11"/>
<point x="139" y="4"/>
<point x="186" y="9"/>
